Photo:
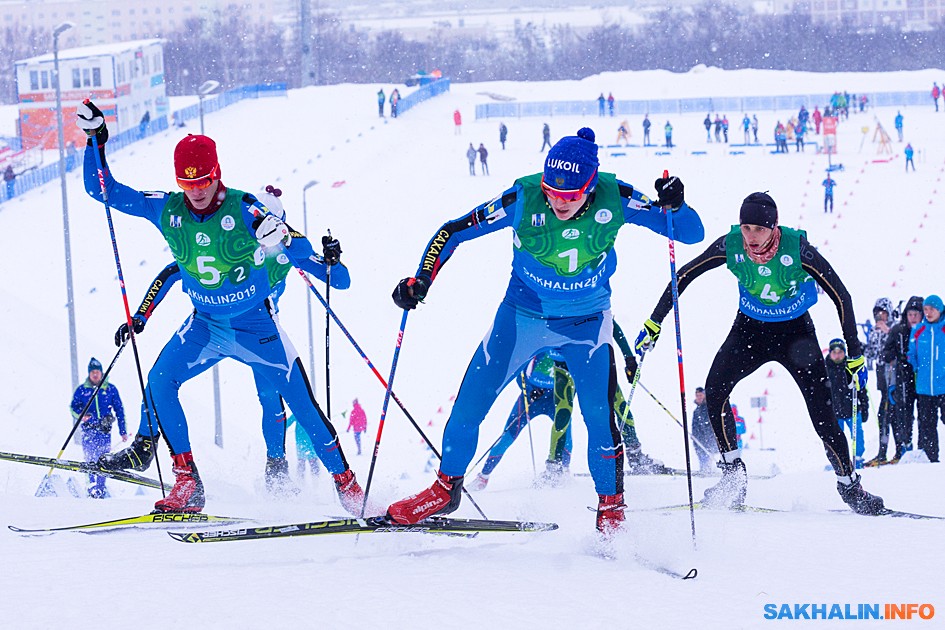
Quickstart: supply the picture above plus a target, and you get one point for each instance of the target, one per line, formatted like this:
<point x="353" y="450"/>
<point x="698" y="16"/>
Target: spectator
<point x="610" y="104"/>
<point x="144" y="124"/>
<point x="503" y="134"/>
<point x="600" y="104"/>
<point x="898" y="125"/>
<point x="875" y="342"/>
<point x="935" y="94"/>
<point x="10" y="178"/>
<point x="546" y="137"/>
<point x="304" y="451"/>
<point x="483" y="156"/>
<point x="863" y="101"/>
<point x="927" y="356"/>
<point x="908" y="152"/>
<point x="718" y="128"/>
<point x="668" y="130"/>
<point x="381" y="98"/>
<point x="817" y="117"/>
<point x="708" y="128"/>
<point x="725" y="128"/>
<point x="842" y="396"/>
<point x="96" y="424"/>
<point x="900" y="375"/>
<point x="703" y="436"/>
<point x="471" y="154"/>
<point x="71" y="154"/>
<point x="623" y="133"/>
<point x="357" y="422"/>
<point x="646" y="130"/>
<point x="457" y="123"/>
<point x="754" y="127"/>
<point x="799" y="131"/>
<point x="394" y="101"/>
<point x="829" y="184"/>
<point x="746" y="125"/>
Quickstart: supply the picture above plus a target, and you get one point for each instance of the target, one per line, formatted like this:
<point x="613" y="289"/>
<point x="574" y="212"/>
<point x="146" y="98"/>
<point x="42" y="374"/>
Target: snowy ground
<point x="384" y="187"/>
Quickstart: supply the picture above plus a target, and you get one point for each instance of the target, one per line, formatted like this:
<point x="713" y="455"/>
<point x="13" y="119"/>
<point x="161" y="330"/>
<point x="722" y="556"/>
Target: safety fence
<point x="41" y="175"/>
<point x="734" y="104"/>
<point x="423" y="93"/>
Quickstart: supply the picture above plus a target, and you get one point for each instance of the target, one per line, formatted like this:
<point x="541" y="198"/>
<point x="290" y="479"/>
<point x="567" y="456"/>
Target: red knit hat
<point x="195" y="157"/>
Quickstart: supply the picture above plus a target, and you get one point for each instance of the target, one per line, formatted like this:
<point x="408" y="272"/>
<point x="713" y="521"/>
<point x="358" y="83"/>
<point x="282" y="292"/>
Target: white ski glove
<point x="272" y="232"/>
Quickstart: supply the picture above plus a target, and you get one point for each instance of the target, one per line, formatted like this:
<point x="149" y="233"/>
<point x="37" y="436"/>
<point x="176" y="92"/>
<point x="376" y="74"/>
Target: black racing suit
<point x="901" y="382"/>
<point x="793" y="343"/>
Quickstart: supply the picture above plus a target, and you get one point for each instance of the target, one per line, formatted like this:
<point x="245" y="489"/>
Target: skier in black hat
<point x="777" y="269"/>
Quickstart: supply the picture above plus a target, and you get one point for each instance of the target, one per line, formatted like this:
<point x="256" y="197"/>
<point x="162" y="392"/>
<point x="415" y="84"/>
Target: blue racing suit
<point x="233" y="315"/>
<point x="558" y="297"/>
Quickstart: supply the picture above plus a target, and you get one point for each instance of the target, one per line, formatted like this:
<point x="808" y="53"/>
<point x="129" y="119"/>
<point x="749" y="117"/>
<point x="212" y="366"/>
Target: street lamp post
<point x="206" y="88"/>
<point x="311" y="338"/>
<point x="70" y="299"/>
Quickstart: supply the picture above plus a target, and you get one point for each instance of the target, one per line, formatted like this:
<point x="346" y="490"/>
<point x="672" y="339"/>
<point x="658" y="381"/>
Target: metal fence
<point x="42" y="175"/>
<point x="424" y="93"/>
<point x="550" y="109"/>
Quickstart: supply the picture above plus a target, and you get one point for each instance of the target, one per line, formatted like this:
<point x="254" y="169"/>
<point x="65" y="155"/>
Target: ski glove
<point x="536" y="394"/>
<point x="409" y="292"/>
<point x="670" y="191"/>
<point x="630" y="367"/>
<point x="647" y="336"/>
<point x="271" y="231"/>
<point x="331" y="250"/>
<point x="121" y="335"/>
<point x="91" y="120"/>
<point x="856" y="371"/>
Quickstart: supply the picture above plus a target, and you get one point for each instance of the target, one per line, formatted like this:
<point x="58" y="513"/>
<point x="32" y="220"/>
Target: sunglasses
<point x="567" y="195"/>
<point x="195" y="184"/>
<point x="200" y="182"/>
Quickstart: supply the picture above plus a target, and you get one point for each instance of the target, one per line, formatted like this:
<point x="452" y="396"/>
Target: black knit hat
<point x="95" y="364"/>
<point x="759" y="208"/>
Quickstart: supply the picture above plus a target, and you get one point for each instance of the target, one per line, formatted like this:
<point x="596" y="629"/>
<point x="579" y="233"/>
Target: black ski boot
<point x="731" y="489"/>
<point x="859" y="500"/>
<point x="639" y="463"/>
<point x="278" y="482"/>
<point x="138" y="456"/>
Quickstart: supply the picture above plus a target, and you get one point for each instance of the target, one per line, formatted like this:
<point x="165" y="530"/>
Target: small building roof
<point x="99" y="50"/>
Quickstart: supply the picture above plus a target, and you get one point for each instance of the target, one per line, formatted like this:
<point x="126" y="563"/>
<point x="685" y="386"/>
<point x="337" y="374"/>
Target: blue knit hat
<point x="935" y="302"/>
<point x="95" y="364"/>
<point x="572" y="163"/>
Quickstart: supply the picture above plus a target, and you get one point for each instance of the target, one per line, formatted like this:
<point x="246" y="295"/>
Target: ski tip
<point x="692" y="574"/>
<point x="185" y="537"/>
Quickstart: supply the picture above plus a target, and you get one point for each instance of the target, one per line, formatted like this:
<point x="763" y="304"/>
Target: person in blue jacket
<point x="232" y="253"/>
<point x="565" y="221"/>
<point x="829" y="184"/>
<point x="96" y="424"/>
<point x="909" y="152"/>
<point x="898" y="124"/>
<point x="927" y="357"/>
<point x="277" y="477"/>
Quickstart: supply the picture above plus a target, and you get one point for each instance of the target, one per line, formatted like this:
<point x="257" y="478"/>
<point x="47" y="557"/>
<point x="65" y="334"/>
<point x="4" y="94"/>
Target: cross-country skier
<point x="565" y="222"/>
<point x="232" y="253"/>
<point x="273" y="410"/>
<point x="777" y="270"/>
<point x="96" y="424"/>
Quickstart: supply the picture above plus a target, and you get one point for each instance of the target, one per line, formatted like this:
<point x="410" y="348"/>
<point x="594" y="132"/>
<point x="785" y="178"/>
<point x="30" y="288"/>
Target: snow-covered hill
<point x="384" y="187"/>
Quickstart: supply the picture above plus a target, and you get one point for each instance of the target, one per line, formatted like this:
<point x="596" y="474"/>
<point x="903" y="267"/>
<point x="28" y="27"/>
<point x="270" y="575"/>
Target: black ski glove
<point x="670" y="191"/>
<point x="91" y="120"/>
<point x="122" y="333"/>
<point x="409" y="292"/>
<point x="630" y="367"/>
<point x="331" y="250"/>
<point x="535" y="395"/>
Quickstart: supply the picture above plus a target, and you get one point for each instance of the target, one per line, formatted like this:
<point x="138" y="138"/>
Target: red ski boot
<point x="442" y="497"/>
<point x="187" y="494"/>
<point x="350" y="492"/>
<point x="610" y="515"/>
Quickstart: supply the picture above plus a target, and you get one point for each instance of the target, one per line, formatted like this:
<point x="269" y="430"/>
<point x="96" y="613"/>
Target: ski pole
<point x="328" y="338"/>
<point x="670" y="414"/>
<point x="124" y="297"/>
<point x="679" y="355"/>
<point x="78" y="419"/>
<point x="633" y="388"/>
<point x="855" y="387"/>
<point x="531" y="443"/>
<point x="373" y="369"/>
<point x="380" y="424"/>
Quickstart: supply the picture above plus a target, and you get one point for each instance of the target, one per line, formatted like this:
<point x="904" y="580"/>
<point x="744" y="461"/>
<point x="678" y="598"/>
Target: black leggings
<point x="930" y="407"/>
<point x="793" y="344"/>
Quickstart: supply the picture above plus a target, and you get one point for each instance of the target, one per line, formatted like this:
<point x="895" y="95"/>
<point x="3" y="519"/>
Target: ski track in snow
<point x="402" y="179"/>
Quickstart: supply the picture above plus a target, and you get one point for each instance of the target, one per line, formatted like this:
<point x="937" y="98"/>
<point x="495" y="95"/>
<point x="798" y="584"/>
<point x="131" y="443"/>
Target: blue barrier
<point x="42" y="175"/>
<point x="789" y="102"/>
<point x="423" y="93"/>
